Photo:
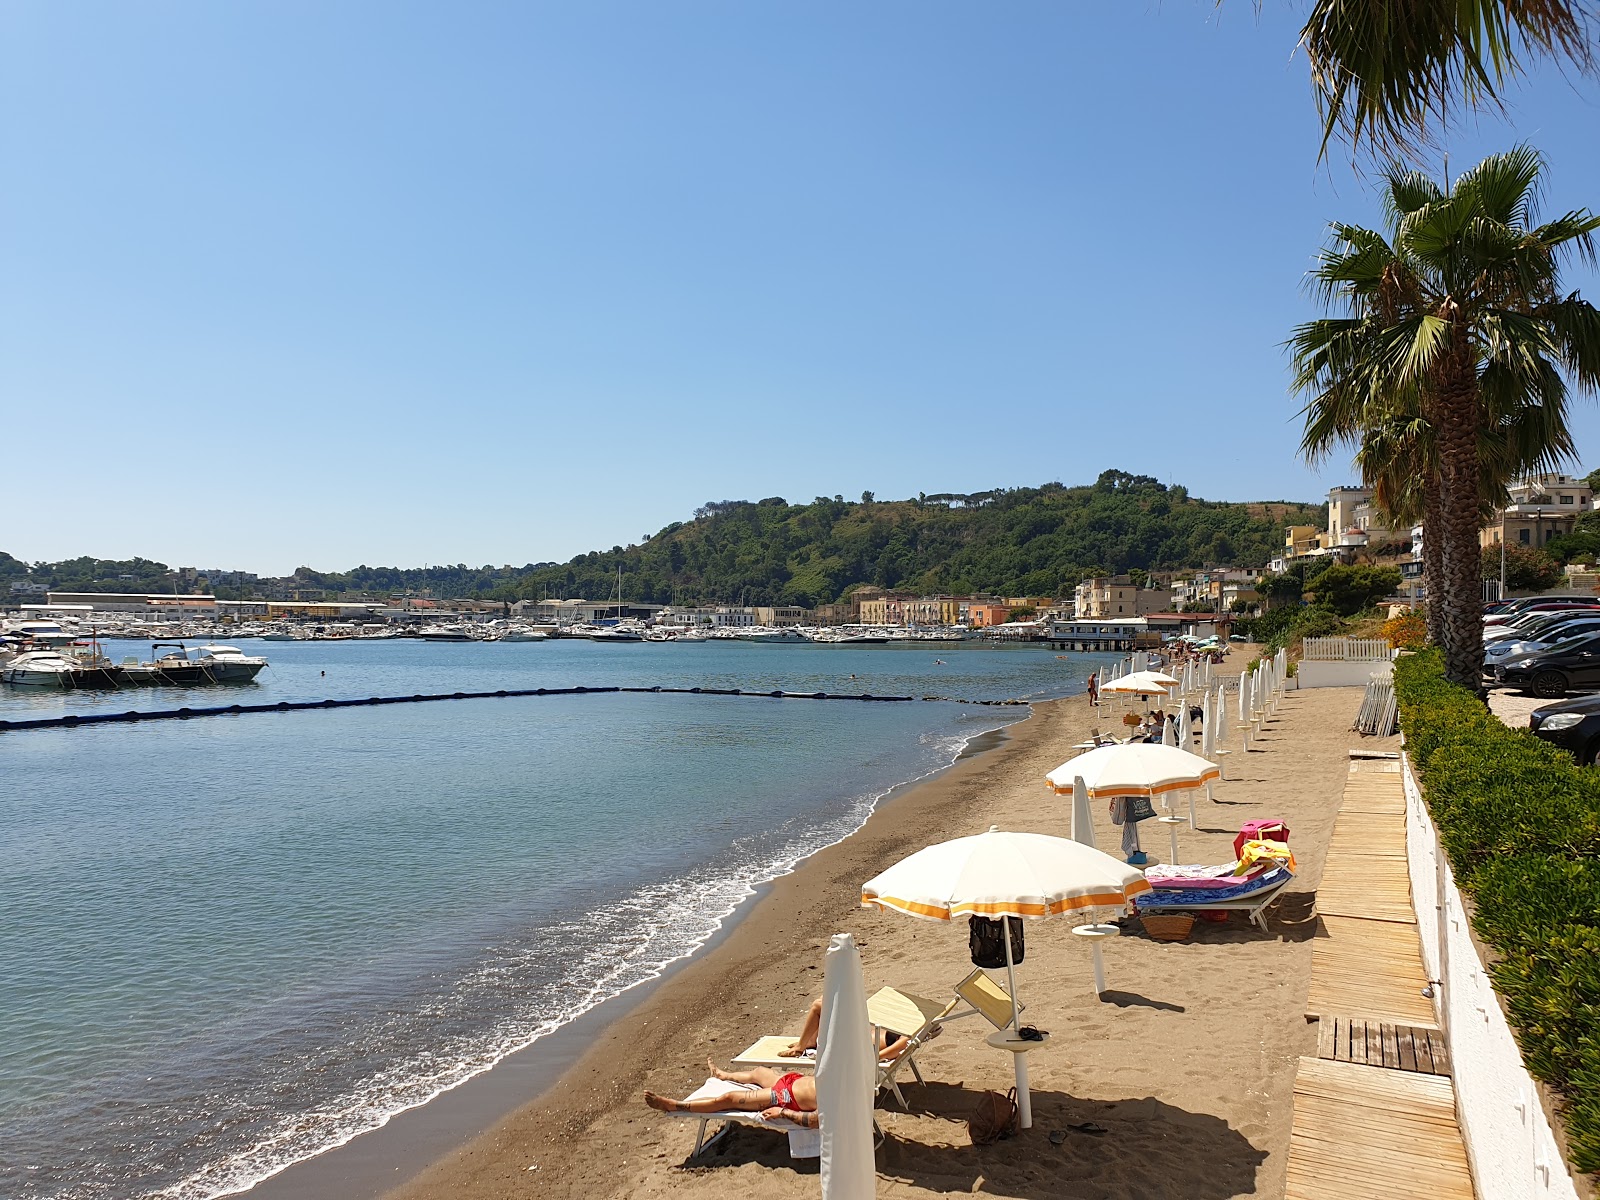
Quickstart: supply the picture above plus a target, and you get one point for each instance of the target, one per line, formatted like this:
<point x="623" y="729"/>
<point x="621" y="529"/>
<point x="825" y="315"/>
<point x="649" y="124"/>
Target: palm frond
<point x="1388" y="72"/>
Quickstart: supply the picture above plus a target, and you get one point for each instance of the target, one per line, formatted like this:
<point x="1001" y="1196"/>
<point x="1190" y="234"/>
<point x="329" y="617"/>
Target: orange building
<point x="982" y="615"/>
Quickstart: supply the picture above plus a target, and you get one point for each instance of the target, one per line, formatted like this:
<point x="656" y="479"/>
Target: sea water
<point x="229" y="944"/>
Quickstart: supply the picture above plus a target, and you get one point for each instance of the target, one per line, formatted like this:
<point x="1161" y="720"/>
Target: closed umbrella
<point x="998" y="875"/>
<point x="1169" y="733"/>
<point x="846" y="1070"/>
<point x="1082" y="818"/>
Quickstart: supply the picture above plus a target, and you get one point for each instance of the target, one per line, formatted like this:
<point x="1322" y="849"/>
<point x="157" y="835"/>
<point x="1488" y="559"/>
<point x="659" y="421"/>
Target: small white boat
<point x="770" y="636"/>
<point x="524" y="635"/>
<point x="445" y="633"/>
<point x="229" y="664"/>
<point x="53" y="669"/>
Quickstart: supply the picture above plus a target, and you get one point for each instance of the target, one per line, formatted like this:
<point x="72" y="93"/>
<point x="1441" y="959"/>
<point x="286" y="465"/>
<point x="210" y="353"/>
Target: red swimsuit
<point x="783" y="1090"/>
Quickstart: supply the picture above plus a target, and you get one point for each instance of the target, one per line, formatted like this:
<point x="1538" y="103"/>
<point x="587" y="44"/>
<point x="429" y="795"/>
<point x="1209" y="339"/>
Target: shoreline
<point x="780" y="929"/>
<point x="379" y="1161"/>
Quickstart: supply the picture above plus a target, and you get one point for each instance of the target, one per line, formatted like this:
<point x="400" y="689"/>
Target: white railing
<point x="1340" y="649"/>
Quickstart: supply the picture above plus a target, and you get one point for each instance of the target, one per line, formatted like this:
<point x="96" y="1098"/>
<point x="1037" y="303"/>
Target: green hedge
<point x="1520" y="823"/>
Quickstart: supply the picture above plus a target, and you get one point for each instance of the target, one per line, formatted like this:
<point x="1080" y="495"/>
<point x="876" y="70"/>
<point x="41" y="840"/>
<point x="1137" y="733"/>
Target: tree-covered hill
<point x="1011" y="541"/>
<point x="1018" y="541"/>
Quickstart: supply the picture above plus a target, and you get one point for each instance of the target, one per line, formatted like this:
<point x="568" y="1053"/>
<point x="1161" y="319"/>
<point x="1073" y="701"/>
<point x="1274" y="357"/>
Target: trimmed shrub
<point x="1520" y="823"/>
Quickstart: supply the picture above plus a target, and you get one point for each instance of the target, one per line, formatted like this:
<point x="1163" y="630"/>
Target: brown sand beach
<point x="1186" y="1064"/>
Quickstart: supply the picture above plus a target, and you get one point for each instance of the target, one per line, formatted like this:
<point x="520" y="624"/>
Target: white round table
<point x="1094" y="935"/>
<point x="1172" y="823"/>
<point x="1007" y="1039"/>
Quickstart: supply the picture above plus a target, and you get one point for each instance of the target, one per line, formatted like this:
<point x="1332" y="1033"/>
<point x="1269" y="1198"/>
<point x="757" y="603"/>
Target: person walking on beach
<point x="1094" y="689"/>
<point x="791" y="1097"/>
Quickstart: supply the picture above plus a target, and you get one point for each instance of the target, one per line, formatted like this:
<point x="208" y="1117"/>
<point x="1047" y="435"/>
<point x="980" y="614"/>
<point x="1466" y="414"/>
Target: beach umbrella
<point x="998" y="875"/>
<point x="1082" y="818"/>
<point x="1134" y="769"/>
<point x="847" y="1065"/>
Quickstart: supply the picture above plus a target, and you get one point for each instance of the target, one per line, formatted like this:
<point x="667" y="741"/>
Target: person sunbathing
<point x="891" y="1045"/>
<point x="791" y="1097"/>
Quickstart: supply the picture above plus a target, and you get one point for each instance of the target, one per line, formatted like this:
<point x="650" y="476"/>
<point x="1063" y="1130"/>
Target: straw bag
<point x="994" y="1118"/>
<point x="1168" y="927"/>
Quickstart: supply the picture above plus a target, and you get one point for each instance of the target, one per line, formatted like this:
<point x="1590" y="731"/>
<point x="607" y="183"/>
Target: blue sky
<point x="309" y="283"/>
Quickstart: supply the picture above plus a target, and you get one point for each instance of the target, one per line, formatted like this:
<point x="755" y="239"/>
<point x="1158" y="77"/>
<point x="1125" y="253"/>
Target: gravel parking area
<point x="1513" y="709"/>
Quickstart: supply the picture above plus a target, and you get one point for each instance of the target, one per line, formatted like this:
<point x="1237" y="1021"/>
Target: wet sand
<point x="1187" y="1062"/>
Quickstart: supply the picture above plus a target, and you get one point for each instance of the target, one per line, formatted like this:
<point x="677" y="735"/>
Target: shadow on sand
<point x="1149" y="1148"/>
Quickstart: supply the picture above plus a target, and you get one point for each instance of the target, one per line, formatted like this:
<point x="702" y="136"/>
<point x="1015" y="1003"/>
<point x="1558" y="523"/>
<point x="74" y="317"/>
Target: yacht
<point x="53" y="669"/>
<point x="770" y="636"/>
<point x="609" y="633"/>
<point x="174" y="668"/>
<point x="47" y="633"/>
<point x="524" y="635"/>
<point x="229" y="664"/>
<point x="444" y="633"/>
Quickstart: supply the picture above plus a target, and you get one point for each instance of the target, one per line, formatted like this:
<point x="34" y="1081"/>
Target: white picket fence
<point x="1342" y="649"/>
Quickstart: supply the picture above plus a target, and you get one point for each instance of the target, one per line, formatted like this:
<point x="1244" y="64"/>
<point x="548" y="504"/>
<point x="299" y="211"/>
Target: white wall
<point x="1509" y="1140"/>
<point x="1315" y="674"/>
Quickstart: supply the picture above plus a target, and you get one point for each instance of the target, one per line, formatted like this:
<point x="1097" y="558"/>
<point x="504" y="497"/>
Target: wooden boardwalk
<point x="1374" y="1112"/>
<point x="1365" y="1132"/>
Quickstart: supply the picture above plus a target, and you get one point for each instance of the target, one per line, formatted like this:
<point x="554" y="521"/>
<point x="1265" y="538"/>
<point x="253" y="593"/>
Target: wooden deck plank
<point x="1326" y="1037"/>
<point x="1365" y="1134"/>
<point x="1408" y="1053"/>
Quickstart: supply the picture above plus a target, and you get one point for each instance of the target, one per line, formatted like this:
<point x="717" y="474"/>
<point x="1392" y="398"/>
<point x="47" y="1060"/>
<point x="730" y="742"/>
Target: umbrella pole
<point x="1024" y="1101"/>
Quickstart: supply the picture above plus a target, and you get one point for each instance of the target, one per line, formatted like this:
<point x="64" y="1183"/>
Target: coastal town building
<point x="980" y="615"/>
<point x="1117" y="596"/>
<point x="1540" y="507"/>
<point x="580" y="612"/>
<point x="152" y="606"/>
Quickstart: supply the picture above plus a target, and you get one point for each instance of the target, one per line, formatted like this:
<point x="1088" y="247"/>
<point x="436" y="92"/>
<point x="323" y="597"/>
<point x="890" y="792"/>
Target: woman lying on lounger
<point x="791" y="1097"/>
<point x="891" y="1045"/>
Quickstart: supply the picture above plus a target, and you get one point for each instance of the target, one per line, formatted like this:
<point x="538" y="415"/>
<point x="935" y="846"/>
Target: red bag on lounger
<point x="1268" y="830"/>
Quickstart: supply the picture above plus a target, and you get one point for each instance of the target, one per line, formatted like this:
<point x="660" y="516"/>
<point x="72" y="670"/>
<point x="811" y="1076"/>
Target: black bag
<point x="1139" y="809"/>
<point x="984" y="940"/>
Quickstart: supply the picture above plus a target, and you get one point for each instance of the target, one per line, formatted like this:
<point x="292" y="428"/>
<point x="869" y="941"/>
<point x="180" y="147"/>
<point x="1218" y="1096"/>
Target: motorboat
<point x="524" y="635"/>
<point x="611" y="633"/>
<point x="283" y="635"/>
<point x="46" y="633"/>
<point x="769" y="636"/>
<point x="445" y="633"/>
<point x="173" y="669"/>
<point x="229" y="664"/>
<point x="54" y="669"/>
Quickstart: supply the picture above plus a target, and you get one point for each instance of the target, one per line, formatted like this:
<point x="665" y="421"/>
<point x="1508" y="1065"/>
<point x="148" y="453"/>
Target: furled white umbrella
<point x="999" y="875"/>
<point x="1169" y="733"/>
<point x="1185" y="729"/>
<point x="847" y="1065"/>
<point x="1082" y="818"/>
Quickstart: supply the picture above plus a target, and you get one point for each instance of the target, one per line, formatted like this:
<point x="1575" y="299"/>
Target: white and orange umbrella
<point x="1135" y="769"/>
<point x="998" y="875"/>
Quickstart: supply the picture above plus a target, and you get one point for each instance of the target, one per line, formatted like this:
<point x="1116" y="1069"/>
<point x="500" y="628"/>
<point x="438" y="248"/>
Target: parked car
<point x="1574" y="725"/>
<point x="1533" y="604"/>
<point x="1536" y="617"/>
<point x="1553" y="672"/>
<point x="1542" y="637"/>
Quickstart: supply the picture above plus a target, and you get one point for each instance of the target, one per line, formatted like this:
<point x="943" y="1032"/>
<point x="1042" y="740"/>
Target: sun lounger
<point x="1251" y="895"/>
<point x="901" y="1013"/>
<point x="803" y="1143"/>
<point x="895" y="1012"/>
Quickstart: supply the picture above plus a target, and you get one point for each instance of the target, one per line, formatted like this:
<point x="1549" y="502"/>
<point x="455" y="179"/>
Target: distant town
<point x="1102" y="612"/>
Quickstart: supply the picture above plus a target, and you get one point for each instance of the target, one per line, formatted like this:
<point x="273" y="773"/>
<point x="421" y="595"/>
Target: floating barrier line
<point x="74" y="720"/>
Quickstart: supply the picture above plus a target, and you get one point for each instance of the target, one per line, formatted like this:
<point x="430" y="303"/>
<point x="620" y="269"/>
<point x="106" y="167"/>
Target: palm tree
<point x="1459" y="337"/>
<point x="1386" y="69"/>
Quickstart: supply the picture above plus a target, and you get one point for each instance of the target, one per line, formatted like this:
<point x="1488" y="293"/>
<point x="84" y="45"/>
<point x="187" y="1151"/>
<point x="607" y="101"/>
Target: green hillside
<point x="1015" y="541"/>
<point x="1012" y="541"/>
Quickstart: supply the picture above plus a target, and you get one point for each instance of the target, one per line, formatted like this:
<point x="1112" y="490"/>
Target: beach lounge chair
<point x="803" y="1143"/>
<point x="1251" y="895"/>
<point x="890" y="1010"/>
<point x="913" y="1017"/>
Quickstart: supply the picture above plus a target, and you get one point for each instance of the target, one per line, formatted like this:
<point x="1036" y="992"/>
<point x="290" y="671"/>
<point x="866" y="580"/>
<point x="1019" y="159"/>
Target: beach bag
<point x="994" y="1118"/>
<point x="984" y="940"/>
<point x="1267" y="829"/>
<point x="1139" y="809"/>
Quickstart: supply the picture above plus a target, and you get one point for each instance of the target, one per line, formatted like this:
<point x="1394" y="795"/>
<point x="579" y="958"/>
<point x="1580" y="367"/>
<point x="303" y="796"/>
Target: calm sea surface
<point x="228" y="944"/>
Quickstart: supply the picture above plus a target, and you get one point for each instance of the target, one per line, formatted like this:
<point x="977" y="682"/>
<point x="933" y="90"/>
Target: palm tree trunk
<point x="1433" y="557"/>
<point x="1456" y="431"/>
